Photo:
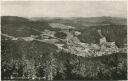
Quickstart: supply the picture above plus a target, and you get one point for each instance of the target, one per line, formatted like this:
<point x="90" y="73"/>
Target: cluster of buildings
<point x="46" y="34"/>
<point x="74" y="46"/>
<point x="60" y="26"/>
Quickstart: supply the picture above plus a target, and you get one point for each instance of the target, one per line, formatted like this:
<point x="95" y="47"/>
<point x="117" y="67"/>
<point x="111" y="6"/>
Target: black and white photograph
<point x="64" y="40"/>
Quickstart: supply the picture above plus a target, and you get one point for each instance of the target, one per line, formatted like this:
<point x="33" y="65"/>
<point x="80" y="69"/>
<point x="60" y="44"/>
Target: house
<point x="103" y="40"/>
<point x="14" y="38"/>
<point x="48" y="33"/>
<point x="60" y="46"/>
<point x="76" y="33"/>
<point x="28" y="38"/>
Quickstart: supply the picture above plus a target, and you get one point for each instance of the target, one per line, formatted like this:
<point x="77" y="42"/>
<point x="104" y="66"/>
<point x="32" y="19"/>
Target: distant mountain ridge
<point x="84" y="20"/>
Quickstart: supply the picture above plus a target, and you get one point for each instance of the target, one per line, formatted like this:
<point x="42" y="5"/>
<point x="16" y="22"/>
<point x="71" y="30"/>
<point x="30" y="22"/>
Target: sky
<point x="64" y="8"/>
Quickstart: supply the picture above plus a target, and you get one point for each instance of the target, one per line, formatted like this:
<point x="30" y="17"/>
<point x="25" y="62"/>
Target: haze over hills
<point x="83" y="20"/>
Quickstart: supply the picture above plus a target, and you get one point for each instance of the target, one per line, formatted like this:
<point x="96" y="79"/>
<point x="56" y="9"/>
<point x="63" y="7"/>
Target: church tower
<point x="102" y="39"/>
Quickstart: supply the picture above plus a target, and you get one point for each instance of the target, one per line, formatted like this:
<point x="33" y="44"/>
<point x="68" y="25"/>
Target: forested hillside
<point x="112" y="32"/>
<point x="34" y="49"/>
<point x="111" y="27"/>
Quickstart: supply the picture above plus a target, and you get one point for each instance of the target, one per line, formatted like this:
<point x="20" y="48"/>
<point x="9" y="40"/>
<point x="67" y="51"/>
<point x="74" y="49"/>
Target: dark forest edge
<point x="69" y="67"/>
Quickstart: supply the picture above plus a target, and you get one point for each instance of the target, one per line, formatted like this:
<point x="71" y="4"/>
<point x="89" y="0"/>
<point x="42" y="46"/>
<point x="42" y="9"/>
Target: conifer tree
<point x="50" y="67"/>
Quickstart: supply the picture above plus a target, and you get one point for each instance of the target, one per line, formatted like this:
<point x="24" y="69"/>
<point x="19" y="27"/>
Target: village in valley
<point x="74" y="46"/>
<point x="71" y="44"/>
<point x="64" y="40"/>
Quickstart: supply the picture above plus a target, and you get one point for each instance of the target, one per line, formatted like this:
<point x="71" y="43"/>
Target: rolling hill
<point x="83" y="22"/>
<point x="21" y="27"/>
